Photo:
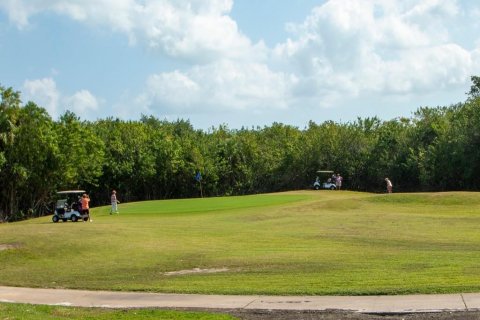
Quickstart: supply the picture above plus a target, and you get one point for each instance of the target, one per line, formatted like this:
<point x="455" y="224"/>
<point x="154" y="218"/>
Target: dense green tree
<point x="30" y="152"/>
<point x="36" y="158"/>
<point x="437" y="149"/>
<point x="9" y="109"/>
<point x="81" y="152"/>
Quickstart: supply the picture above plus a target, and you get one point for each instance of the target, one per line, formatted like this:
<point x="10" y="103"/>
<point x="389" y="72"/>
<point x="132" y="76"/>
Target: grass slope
<point x="288" y="243"/>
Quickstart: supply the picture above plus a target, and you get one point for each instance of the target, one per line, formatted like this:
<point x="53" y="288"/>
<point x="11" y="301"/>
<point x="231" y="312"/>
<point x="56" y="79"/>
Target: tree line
<point x="436" y="149"/>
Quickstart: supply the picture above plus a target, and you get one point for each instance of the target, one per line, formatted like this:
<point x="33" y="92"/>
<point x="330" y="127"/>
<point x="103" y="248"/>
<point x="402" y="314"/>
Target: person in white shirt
<point x="114" y="201"/>
<point x="338" y="181"/>
<point x="389" y="185"/>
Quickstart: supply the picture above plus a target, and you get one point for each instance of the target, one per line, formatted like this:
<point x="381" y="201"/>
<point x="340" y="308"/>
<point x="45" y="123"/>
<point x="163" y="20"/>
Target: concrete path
<point x="364" y="304"/>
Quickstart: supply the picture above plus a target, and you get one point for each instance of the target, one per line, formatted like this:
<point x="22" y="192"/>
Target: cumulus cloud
<point x="82" y="102"/>
<point x="379" y="46"/>
<point x="44" y="93"/>
<point x="345" y="49"/>
<point x="342" y="51"/>
<point x="195" y="30"/>
<point x="220" y="86"/>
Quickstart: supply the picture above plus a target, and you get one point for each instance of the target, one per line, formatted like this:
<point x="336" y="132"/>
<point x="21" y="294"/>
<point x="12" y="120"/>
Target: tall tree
<point x="81" y="152"/>
<point x="9" y="110"/>
<point x="30" y="152"/>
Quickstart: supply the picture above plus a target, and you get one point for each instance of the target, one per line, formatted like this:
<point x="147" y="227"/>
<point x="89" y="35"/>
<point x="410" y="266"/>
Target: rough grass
<point x="323" y="242"/>
<point x="36" y="312"/>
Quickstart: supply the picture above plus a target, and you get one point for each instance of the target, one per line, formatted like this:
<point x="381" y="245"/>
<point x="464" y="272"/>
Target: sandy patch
<point x="195" y="270"/>
<point x="9" y="246"/>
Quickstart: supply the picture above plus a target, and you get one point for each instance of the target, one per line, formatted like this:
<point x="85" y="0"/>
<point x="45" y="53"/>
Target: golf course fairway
<point x="292" y="243"/>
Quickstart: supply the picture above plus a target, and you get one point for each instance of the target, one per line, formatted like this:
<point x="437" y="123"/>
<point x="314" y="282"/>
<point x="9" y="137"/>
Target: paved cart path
<point x="364" y="304"/>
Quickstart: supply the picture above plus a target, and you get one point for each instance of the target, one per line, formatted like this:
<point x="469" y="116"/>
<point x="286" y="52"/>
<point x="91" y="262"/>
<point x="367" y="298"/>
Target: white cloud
<point x="196" y="30"/>
<point x="17" y="11"/>
<point x="379" y="46"/>
<point x="111" y="12"/>
<point x="201" y="31"/>
<point x="219" y="87"/>
<point x="343" y="50"/>
<point x="82" y="102"/>
<point x="44" y="93"/>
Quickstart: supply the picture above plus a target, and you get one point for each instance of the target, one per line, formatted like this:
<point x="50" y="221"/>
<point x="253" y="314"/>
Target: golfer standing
<point x="114" y="201"/>
<point x="338" y="181"/>
<point x="389" y="185"/>
<point x="86" y="206"/>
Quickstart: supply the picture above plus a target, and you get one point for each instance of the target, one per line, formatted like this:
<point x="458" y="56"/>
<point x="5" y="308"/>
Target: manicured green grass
<point x="309" y="242"/>
<point x="12" y="311"/>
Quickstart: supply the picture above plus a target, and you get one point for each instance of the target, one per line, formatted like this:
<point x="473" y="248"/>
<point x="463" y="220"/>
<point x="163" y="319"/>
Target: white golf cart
<point x="68" y="206"/>
<point x="325" y="175"/>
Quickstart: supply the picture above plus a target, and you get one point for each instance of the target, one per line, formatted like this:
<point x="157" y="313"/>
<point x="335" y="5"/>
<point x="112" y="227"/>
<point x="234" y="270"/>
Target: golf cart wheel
<point x="85" y="218"/>
<point x="74" y="218"/>
<point x="55" y="219"/>
<point x="317" y="187"/>
<point x="332" y="188"/>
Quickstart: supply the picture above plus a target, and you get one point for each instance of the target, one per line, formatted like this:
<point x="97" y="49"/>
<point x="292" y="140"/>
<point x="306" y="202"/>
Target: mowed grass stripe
<point x="205" y="205"/>
<point x="45" y="312"/>
<point x="288" y="243"/>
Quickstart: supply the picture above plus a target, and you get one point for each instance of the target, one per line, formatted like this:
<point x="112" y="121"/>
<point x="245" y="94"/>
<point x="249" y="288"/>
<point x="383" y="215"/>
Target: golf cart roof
<point x="324" y="171"/>
<point x="70" y="191"/>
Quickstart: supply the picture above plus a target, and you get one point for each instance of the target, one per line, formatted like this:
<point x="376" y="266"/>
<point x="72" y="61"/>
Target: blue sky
<point x="239" y="62"/>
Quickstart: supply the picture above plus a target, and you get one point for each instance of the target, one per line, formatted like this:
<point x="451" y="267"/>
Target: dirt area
<point x="9" y="246"/>
<point x="195" y="270"/>
<point x="340" y="315"/>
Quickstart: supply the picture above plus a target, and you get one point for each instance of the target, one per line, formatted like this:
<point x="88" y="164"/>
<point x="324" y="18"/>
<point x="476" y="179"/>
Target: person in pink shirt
<point x="86" y="206"/>
<point x="338" y="181"/>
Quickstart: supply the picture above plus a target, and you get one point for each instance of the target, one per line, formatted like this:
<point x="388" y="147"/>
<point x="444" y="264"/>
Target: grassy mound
<point x="310" y="242"/>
